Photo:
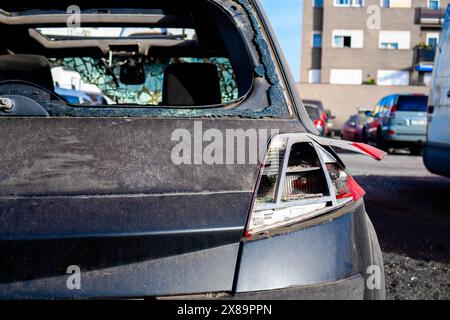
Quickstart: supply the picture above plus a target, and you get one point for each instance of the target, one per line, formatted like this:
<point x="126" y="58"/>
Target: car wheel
<point x="415" y="150"/>
<point x="381" y="144"/>
<point x="364" y="136"/>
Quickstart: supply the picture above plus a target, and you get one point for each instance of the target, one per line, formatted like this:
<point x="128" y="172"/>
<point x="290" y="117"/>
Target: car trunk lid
<point x="104" y="195"/>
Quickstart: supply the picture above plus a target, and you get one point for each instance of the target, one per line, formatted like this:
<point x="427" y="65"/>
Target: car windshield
<point x="313" y="112"/>
<point x="412" y="103"/>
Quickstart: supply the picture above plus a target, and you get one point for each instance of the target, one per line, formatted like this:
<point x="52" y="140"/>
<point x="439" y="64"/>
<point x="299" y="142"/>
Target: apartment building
<point x="381" y="43"/>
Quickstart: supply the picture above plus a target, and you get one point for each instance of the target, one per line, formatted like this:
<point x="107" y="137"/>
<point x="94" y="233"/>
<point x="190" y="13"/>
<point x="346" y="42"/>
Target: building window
<point x="317" y="3"/>
<point x="348" y="3"/>
<point x="342" y="3"/>
<point x="314" y="76"/>
<point x="388" y="45"/>
<point x="342" y="41"/>
<point x="395" y="3"/>
<point x="317" y="39"/>
<point x="395" y="40"/>
<point x="434" y="4"/>
<point x="433" y="39"/>
<point x="346" y="76"/>
<point x="392" y="78"/>
<point x="347" y="38"/>
<point x="425" y="78"/>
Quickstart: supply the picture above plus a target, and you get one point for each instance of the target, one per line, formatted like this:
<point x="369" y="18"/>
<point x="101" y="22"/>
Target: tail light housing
<point x="299" y="180"/>
<point x="393" y="111"/>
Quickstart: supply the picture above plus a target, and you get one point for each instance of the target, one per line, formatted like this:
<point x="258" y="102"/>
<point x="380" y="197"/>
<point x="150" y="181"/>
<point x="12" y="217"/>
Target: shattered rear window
<point x="93" y="72"/>
<point x="88" y="62"/>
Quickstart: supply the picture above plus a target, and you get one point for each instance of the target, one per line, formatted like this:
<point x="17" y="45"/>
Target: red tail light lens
<point x="375" y="153"/>
<point x="393" y="110"/>
<point x="319" y="123"/>
<point x="391" y="132"/>
<point x="345" y="187"/>
<point x="355" y="189"/>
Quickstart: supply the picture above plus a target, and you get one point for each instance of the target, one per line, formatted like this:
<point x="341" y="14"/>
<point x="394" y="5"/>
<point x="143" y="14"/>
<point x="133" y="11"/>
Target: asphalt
<point x="410" y="209"/>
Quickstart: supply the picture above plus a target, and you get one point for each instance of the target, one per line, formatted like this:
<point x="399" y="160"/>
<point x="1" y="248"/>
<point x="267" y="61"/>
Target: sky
<point x="286" y="19"/>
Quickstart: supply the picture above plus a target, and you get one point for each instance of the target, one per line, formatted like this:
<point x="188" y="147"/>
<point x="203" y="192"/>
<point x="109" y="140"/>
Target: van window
<point x="412" y="103"/>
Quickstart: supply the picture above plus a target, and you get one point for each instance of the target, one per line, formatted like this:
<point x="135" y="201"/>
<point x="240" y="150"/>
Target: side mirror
<point x="368" y="113"/>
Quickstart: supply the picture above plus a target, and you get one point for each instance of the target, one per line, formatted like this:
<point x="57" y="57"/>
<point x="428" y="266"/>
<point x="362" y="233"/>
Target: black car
<point x="160" y="192"/>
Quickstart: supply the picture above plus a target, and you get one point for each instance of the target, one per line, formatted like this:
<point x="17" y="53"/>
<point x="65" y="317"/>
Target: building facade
<point x="387" y="42"/>
<point x="369" y="42"/>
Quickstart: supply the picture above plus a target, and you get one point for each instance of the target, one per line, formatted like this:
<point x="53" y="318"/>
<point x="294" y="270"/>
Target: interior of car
<point x="168" y="53"/>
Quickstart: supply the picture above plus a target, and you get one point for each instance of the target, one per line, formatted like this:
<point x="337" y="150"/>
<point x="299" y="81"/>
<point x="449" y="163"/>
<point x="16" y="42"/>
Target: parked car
<point x="316" y="117"/>
<point x="137" y="198"/>
<point x="398" y="121"/>
<point x="436" y="153"/>
<point x="330" y="123"/>
<point x="325" y="116"/>
<point x="74" y="96"/>
<point x="353" y="128"/>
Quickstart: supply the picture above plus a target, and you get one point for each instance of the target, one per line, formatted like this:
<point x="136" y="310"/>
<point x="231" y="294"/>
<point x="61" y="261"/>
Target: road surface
<point x="410" y="209"/>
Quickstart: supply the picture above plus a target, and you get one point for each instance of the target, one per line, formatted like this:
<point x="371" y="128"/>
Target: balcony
<point x="428" y="16"/>
<point x="425" y="55"/>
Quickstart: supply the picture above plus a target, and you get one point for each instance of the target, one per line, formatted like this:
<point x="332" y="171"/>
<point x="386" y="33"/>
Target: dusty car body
<point x="96" y="190"/>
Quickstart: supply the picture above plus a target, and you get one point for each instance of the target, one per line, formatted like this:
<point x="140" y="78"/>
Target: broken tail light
<point x="300" y="180"/>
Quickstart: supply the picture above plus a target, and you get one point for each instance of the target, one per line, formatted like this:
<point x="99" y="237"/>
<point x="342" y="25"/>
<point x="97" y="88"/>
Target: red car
<point x="353" y="128"/>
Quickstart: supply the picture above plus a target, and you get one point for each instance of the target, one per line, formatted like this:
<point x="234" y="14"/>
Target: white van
<point x="437" y="148"/>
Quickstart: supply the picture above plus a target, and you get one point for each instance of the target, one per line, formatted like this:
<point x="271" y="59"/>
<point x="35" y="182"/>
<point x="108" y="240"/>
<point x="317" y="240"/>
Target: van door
<point x="439" y="115"/>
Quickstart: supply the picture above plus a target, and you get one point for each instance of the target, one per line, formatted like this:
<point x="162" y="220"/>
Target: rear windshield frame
<point x="266" y="78"/>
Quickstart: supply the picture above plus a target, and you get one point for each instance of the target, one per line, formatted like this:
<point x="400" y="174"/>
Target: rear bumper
<point x="405" y="139"/>
<point x="331" y="249"/>
<point x="346" y="289"/>
<point x="327" y="259"/>
<point x="351" y="288"/>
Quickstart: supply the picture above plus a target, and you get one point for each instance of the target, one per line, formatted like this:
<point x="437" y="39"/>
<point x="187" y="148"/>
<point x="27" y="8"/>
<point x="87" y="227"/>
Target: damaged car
<point x="130" y="198"/>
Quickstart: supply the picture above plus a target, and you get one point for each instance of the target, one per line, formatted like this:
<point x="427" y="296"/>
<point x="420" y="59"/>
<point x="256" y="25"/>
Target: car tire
<point x="415" y="150"/>
<point x="381" y="144"/>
